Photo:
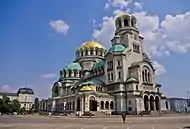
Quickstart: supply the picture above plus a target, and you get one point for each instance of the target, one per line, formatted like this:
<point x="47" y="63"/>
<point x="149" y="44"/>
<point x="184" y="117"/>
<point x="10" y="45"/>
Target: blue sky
<point x="38" y="38"/>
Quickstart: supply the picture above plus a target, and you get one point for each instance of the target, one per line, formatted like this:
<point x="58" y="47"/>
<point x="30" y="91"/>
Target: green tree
<point x="14" y="106"/>
<point x="4" y="104"/>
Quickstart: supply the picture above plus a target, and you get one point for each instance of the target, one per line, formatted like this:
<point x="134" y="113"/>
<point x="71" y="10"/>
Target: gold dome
<point x="91" y="44"/>
<point x="86" y="88"/>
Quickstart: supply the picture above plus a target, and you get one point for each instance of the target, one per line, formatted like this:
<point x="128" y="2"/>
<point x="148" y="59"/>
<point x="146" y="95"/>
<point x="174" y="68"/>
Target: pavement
<point x="37" y="122"/>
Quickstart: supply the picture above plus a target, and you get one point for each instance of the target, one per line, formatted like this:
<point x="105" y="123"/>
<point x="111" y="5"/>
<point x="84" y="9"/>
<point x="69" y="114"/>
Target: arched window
<point x="119" y="23"/>
<point x="64" y="73"/>
<point x="56" y="91"/>
<point x="75" y="73"/>
<point x="96" y="52"/>
<point x="91" y="52"/>
<point x="102" y="104"/>
<point x="143" y="76"/>
<point x="126" y="23"/>
<point x="148" y="77"/>
<point x="86" y="52"/>
<point x="111" y="105"/>
<point x="107" y="105"/>
<point x="132" y="23"/>
<point x="82" y="53"/>
<point x="80" y="74"/>
<point x="70" y="73"/>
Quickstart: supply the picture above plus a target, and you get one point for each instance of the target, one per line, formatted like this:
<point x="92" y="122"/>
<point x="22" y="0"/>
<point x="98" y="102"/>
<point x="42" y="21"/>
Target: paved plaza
<point x="33" y="122"/>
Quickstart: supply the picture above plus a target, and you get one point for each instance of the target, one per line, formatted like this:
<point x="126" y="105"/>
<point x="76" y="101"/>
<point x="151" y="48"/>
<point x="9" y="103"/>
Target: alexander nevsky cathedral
<point x="115" y="80"/>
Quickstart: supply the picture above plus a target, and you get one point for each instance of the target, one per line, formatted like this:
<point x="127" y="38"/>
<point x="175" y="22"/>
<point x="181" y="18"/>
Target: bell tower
<point x="127" y="33"/>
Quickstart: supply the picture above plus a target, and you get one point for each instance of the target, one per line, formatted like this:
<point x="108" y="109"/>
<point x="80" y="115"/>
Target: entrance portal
<point x="92" y="104"/>
<point x="78" y="104"/>
<point x="146" y="103"/>
<point x="151" y="103"/>
<point x="157" y="101"/>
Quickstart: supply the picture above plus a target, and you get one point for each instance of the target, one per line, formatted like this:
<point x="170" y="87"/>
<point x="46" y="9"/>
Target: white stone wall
<point x="26" y="100"/>
<point x="10" y="97"/>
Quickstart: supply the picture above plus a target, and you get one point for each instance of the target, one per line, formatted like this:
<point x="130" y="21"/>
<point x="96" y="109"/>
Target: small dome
<point x="99" y="64"/>
<point x="125" y="15"/>
<point x="131" y="79"/>
<point x="91" y="44"/>
<point x="86" y="88"/>
<point x="73" y="66"/>
<point x="25" y="91"/>
<point x="117" y="48"/>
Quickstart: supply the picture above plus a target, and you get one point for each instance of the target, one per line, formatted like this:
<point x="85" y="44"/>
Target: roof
<point x="73" y="66"/>
<point x="117" y="48"/>
<point x="91" y="82"/>
<point x="125" y="15"/>
<point x="8" y="94"/>
<point x="91" y="44"/>
<point x="99" y="64"/>
<point x="131" y="79"/>
<point x="25" y="91"/>
<point x="86" y="88"/>
<point x="174" y="98"/>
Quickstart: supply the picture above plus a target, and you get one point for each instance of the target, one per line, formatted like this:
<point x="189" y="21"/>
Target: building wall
<point x="179" y="104"/>
<point x="25" y="100"/>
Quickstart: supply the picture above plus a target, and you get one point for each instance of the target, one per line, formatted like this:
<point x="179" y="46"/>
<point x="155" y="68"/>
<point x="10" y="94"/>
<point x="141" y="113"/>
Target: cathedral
<point x="115" y="80"/>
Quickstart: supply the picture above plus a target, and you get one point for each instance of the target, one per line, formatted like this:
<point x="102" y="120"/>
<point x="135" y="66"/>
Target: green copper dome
<point x="117" y="48"/>
<point x="73" y="66"/>
<point x="99" y="64"/>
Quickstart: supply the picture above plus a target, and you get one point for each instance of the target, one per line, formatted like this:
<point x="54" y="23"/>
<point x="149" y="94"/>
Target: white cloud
<point x="106" y="32"/>
<point x="5" y="88"/>
<point x="177" y="30"/>
<point x="59" y="26"/>
<point x="160" y="69"/>
<point x="160" y="37"/>
<point x="117" y="3"/>
<point x="138" y="5"/>
<point x="49" y="76"/>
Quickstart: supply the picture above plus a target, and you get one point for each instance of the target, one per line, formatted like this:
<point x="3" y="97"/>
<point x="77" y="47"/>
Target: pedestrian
<point x="123" y="117"/>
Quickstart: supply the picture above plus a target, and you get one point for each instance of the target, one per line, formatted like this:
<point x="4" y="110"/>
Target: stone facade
<point x="120" y="79"/>
<point x="181" y="105"/>
<point x="25" y="96"/>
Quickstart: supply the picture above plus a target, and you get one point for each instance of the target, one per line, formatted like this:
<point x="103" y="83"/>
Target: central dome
<point x="91" y="44"/>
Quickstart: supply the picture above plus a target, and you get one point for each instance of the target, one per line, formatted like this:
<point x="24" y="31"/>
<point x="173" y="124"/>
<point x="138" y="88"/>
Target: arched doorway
<point x="157" y="102"/>
<point x="78" y="104"/>
<point x="166" y="105"/>
<point x="146" y="104"/>
<point x="93" y="104"/>
<point x="111" y="105"/>
<point x="107" y="105"/>
<point x="102" y="104"/>
<point x="151" y="103"/>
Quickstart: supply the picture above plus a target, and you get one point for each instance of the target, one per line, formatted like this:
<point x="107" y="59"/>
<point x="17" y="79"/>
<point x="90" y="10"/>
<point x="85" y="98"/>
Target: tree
<point x="36" y="105"/>
<point x="14" y="106"/>
<point x="4" y="104"/>
<point x="7" y="106"/>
